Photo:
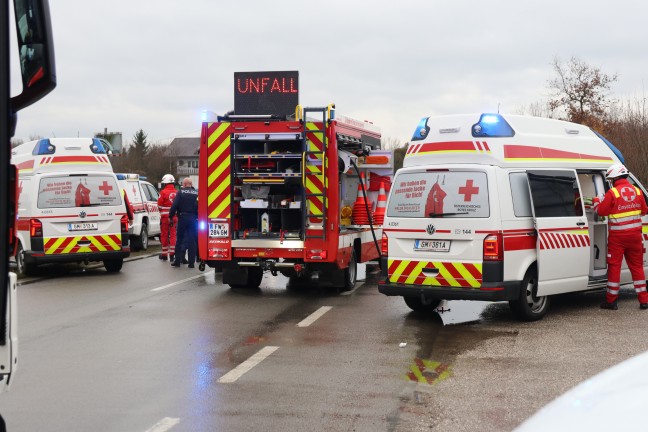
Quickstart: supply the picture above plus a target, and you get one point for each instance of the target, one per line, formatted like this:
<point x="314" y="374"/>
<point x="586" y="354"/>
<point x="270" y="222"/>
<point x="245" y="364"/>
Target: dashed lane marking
<point x="314" y="316"/>
<point x="164" y="425"/>
<point x="182" y="281"/>
<point x="248" y="364"/>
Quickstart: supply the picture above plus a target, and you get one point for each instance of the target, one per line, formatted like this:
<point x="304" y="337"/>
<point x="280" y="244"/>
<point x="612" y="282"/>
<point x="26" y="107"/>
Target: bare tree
<point x="580" y="93"/>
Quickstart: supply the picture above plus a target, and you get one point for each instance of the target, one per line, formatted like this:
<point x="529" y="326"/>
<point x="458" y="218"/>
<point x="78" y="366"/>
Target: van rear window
<point x="439" y="194"/>
<point x="68" y="191"/>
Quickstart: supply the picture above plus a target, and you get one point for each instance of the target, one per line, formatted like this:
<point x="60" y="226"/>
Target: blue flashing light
<point x="493" y="126"/>
<point x="612" y="147"/>
<point x="97" y="147"/>
<point x="44" y="147"/>
<point x="202" y="225"/>
<point x="422" y="130"/>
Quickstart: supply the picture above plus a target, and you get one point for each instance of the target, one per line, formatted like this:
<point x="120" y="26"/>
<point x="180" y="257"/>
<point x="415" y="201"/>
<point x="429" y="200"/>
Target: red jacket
<point x="167" y="194"/>
<point x="624" y="204"/>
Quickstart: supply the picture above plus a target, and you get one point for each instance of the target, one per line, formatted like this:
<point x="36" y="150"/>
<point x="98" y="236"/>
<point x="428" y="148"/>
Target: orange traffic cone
<point x="381" y="206"/>
<point x="360" y="214"/>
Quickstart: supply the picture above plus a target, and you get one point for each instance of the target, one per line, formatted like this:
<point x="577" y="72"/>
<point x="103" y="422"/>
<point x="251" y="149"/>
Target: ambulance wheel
<point x="351" y="272"/>
<point x="143" y="237"/>
<point x="421" y="303"/>
<point x="113" y="265"/>
<point x="530" y="306"/>
<point x="22" y="267"/>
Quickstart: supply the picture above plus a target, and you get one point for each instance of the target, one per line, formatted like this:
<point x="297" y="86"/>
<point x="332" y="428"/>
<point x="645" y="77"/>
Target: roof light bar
<point x="493" y="126"/>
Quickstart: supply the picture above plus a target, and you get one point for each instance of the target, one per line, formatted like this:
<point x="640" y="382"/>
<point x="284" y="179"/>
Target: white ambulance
<point x="70" y="208"/>
<point x="493" y="207"/>
<point x="143" y="197"/>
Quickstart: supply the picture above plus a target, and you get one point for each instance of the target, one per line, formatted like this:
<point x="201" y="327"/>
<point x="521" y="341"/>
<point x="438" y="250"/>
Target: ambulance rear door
<point x="563" y="245"/>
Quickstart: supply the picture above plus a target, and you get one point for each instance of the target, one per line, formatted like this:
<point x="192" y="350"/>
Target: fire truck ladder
<point x="314" y="165"/>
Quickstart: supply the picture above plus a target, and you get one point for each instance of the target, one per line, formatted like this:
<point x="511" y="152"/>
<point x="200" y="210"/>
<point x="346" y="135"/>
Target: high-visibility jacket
<point x="624" y="204"/>
<point x="167" y="195"/>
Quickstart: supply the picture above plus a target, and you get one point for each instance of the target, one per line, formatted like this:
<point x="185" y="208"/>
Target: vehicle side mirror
<point x="36" y="52"/>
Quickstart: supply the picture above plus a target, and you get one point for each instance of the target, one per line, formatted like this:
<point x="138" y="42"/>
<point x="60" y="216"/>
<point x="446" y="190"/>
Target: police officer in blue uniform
<point x="185" y="205"/>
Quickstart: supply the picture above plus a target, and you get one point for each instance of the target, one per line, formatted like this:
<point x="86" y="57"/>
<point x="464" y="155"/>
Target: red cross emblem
<point x="105" y="188"/>
<point x="628" y="194"/>
<point x="468" y="190"/>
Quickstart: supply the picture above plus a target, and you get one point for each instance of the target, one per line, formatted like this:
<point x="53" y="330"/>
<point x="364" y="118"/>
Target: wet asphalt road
<point x="155" y="348"/>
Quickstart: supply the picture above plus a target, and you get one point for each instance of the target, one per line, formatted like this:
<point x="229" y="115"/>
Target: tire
<point x="22" y="267"/>
<point x="113" y="265"/>
<point x="143" y="237"/>
<point x="422" y="303"/>
<point x="254" y="277"/>
<point x="135" y="243"/>
<point x="530" y="307"/>
<point x="351" y="272"/>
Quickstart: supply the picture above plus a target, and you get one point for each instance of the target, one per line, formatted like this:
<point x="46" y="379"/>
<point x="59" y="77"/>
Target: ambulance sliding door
<point x="563" y="245"/>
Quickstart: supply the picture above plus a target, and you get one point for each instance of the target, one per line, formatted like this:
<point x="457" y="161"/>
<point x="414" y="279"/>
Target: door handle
<point x="580" y="223"/>
<point x="430" y="272"/>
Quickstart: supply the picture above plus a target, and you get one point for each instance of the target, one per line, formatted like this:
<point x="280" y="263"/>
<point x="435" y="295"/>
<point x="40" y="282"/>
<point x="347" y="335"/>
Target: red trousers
<point x="629" y="245"/>
<point x="168" y="235"/>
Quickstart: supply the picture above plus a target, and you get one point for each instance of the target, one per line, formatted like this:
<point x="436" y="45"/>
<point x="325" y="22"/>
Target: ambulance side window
<point x="555" y="193"/>
<point x="520" y="194"/>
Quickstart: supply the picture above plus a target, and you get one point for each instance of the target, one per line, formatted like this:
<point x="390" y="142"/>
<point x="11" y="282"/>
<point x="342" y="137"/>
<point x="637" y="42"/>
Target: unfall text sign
<point x="266" y="93"/>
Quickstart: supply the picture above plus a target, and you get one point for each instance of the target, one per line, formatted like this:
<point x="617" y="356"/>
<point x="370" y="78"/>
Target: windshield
<point x="439" y="194"/>
<point x="67" y="191"/>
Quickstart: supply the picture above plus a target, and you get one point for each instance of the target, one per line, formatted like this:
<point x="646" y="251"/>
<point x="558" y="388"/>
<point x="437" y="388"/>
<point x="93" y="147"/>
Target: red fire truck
<point x="284" y="194"/>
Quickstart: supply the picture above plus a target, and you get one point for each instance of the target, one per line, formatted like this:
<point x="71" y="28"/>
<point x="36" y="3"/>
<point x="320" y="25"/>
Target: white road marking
<point x="164" y="425"/>
<point x="314" y="316"/>
<point x="248" y="364"/>
<point x="355" y="288"/>
<point x="182" y="281"/>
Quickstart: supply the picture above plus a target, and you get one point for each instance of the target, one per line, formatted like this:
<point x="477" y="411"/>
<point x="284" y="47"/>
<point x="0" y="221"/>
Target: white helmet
<point x="616" y="170"/>
<point x="168" y="178"/>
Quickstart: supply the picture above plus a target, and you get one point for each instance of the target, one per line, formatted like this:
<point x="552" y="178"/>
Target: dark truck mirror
<point x="36" y="51"/>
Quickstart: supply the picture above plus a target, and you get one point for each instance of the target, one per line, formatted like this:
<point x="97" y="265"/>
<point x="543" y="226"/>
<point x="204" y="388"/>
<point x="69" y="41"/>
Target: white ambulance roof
<point x="507" y="141"/>
<point x="60" y="155"/>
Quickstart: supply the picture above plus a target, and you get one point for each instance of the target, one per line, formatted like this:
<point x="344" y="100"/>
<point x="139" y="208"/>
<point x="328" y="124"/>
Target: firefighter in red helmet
<point x="624" y="205"/>
<point x="167" y="229"/>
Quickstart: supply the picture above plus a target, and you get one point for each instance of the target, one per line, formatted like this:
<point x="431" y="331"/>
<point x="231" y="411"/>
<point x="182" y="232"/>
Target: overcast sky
<point x="127" y="65"/>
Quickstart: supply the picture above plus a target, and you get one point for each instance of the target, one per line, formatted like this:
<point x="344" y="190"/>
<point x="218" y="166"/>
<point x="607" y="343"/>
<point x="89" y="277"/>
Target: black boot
<point x="643" y="305"/>
<point x="610" y="306"/>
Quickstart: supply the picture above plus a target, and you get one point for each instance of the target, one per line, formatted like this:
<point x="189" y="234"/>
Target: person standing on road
<point x="167" y="225"/>
<point x="185" y="205"/>
<point x="624" y="204"/>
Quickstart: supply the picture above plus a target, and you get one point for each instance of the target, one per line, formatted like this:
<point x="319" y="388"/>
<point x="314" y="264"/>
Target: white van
<point x="70" y="208"/>
<point x="493" y="207"/>
<point x="143" y="197"/>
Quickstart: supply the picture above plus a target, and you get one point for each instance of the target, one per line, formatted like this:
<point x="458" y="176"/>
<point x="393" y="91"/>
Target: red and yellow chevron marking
<point x="522" y="153"/>
<point x="315" y="181"/>
<point x="451" y="274"/>
<point x="564" y="240"/>
<point x="428" y="371"/>
<point x="468" y="147"/>
<point x="218" y="166"/>
<point x="69" y="245"/>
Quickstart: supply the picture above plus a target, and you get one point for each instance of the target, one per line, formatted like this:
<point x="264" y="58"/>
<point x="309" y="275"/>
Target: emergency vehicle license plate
<point x="82" y="226"/>
<point x="218" y="230"/>
<point x="432" y="245"/>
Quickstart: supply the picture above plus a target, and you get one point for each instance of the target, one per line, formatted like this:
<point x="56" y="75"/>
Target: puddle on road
<point x="463" y="311"/>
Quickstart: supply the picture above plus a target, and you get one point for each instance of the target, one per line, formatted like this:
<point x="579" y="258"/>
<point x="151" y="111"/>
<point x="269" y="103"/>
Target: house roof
<point x="183" y="147"/>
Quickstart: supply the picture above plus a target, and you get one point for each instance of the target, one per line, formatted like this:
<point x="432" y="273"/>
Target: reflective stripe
<point x="613" y="284"/>
<point x="612" y="291"/>
<point x="624" y="227"/>
<point x="638" y="290"/>
<point x="620" y="218"/>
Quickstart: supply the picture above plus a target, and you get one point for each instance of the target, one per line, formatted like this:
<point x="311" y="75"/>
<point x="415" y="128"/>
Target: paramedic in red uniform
<point x="624" y="204"/>
<point x="167" y="226"/>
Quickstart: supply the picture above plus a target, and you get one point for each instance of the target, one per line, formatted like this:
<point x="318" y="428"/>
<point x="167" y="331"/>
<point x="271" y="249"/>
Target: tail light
<point x="493" y="247"/>
<point x="316" y="254"/>
<point x="383" y="245"/>
<point x="124" y="224"/>
<point x="35" y="228"/>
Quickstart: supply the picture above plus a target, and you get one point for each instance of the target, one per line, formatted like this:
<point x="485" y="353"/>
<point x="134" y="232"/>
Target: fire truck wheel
<point x="351" y="272"/>
<point x="254" y="277"/>
<point x="422" y="303"/>
<point x="23" y="268"/>
<point x="530" y="307"/>
<point x="113" y="265"/>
